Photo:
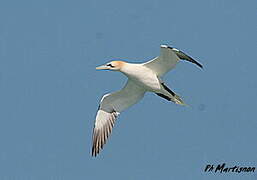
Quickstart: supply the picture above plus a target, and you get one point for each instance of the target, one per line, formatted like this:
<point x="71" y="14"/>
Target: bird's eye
<point x="110" y="65"/>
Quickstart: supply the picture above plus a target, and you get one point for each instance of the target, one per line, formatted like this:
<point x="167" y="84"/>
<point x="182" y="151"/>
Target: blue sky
<point x="50" y="90"/>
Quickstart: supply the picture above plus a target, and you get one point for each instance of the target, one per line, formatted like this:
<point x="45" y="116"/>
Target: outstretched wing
<point x="110" y="107"/>
<point x="185" y="57"/>
<point x="167" y="60"/>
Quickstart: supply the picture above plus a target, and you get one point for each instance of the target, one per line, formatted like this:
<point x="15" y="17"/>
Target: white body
<point x="141" y="78"/>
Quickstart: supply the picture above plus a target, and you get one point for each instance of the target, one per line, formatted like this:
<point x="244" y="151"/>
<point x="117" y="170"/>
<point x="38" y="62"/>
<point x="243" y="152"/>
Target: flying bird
<point x="142" y="78"/>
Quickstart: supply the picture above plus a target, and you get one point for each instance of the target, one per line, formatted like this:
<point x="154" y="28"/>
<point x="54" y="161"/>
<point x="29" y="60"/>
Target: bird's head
<point x="113" y="65"/>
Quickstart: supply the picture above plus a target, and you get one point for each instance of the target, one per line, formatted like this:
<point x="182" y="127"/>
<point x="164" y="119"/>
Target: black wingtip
<point x="185" y="57"/>
<point x="195" y="62"/>
<point x="166" y="46"/>
<point x="168" y="89"/>
<point x="182" y="55"/>
<point x="94" y="152"/>
<point x="198" y="64"/>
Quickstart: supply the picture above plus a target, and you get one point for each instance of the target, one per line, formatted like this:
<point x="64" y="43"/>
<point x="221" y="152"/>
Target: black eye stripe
<point x="110" y="65"/>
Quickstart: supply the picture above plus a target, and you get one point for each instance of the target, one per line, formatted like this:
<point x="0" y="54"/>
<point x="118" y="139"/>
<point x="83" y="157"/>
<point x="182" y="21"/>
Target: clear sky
<point x="50" y="90"/>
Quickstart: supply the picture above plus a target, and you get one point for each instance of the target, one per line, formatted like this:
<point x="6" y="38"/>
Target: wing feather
<point x="167" y="60"/>
<point x="163" y="63"/>
<point x="110" y="107"/>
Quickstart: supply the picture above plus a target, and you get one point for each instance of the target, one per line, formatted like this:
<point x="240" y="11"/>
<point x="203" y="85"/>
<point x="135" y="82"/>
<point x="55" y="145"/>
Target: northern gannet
<point x="142" y="78"/>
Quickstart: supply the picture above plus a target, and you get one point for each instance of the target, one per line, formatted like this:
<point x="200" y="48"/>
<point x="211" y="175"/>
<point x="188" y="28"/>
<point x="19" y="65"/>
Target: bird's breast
<point x="145" y="78"/>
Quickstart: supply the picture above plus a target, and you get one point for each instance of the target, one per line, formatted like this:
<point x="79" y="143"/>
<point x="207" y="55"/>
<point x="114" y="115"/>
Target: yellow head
<point x="113" y="65"/>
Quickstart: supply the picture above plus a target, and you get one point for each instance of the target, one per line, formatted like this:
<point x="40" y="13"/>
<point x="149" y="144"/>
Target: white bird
<point x="141" y="78"/>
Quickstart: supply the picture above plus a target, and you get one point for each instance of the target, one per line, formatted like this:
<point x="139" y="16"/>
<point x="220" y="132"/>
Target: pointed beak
<point x="102" y="67"/>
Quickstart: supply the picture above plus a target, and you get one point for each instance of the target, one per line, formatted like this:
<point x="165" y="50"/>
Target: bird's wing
<point x="167" y="60"/>
<point x="110" y="107"/>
